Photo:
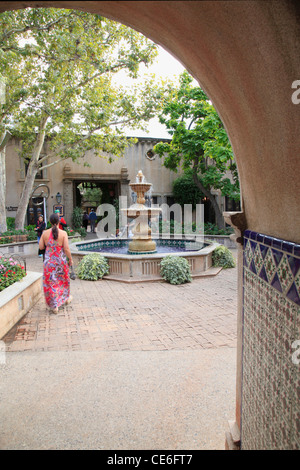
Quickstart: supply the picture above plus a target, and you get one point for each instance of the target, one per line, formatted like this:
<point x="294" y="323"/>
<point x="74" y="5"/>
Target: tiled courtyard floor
<point x="123" y="367"/>
<point x="110" y="315"/>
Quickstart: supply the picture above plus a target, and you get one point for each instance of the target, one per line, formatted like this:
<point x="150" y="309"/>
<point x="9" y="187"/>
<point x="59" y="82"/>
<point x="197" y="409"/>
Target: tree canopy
<point x="185" y="191"/>
<point x="58" y="67"/>
<point x="199" y="142"/>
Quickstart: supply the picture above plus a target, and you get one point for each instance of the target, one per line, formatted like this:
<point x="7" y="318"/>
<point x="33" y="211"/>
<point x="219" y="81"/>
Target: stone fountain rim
<point x="211" y="246"/>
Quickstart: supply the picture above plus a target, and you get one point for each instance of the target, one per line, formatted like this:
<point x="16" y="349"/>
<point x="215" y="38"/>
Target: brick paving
<point x="114" y="316"/>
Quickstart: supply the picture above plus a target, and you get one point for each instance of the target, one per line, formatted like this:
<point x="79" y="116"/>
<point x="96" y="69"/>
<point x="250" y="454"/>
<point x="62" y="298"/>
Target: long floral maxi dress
<point x="56" y="280"/>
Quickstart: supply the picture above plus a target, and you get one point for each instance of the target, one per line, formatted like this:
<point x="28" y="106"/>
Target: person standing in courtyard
<point x="92" y="219"/>
<point x="85" y="220"/>
<point x="40" y="227"/>
<point x="56" y="279"/>
<point x="62" y="223"/>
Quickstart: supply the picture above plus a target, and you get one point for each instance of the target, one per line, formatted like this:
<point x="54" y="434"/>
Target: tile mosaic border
<point x="271" y="323"/>
<point x="275" y="261"/>
<point x="86" y="246"/>
<point x="89" y="246"/>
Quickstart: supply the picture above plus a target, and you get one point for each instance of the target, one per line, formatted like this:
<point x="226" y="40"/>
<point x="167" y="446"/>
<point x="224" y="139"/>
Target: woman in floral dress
<point x="56" y="279"/>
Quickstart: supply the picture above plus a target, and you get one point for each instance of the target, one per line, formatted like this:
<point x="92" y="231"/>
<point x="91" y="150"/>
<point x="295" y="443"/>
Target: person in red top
<point x="62" y="223"/>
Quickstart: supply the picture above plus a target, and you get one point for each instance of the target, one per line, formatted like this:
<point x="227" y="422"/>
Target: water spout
<point x="140" y="178"/>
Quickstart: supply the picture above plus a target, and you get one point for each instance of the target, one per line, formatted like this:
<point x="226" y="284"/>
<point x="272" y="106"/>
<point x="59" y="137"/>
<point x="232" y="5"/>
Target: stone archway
<point x="245" y="55"/>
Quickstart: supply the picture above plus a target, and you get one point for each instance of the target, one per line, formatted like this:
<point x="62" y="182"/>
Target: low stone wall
<point x="17" y="299"/>
<point x="221" y="239"/>
<point x="141" y="268"/>
<point x="28" y="248"/>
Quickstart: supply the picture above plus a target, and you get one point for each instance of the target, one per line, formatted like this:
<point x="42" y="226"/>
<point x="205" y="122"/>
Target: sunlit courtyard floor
<point x="138" y="366"/>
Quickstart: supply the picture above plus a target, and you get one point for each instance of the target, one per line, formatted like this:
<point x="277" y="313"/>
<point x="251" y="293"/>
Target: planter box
<point x="15" y="238"/>
<point x="17" y="299"/>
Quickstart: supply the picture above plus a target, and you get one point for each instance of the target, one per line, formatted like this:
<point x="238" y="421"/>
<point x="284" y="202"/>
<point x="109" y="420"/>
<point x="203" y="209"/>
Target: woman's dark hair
<point x="54" y="220"/>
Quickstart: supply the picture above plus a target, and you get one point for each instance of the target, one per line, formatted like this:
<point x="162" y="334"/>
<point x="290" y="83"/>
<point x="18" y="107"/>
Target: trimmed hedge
<point x="92" y="267"/>
<point x="175" y="270"/>
<point x="222" y="257"/>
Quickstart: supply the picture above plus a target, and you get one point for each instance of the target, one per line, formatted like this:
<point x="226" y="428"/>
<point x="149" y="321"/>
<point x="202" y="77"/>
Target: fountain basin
<point x="144" y="267"/>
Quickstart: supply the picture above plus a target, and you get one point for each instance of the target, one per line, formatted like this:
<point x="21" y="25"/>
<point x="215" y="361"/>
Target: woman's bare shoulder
<point x="62" y="235"/>
<point x="47" y="232"/>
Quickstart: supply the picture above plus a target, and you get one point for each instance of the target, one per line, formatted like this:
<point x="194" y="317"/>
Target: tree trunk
<point x="218" y="214"/>
<point x="3" y="226"/>
<point x="25" y="196"/>
<point x="3" y="141"/>
<point x="32" y="170"/>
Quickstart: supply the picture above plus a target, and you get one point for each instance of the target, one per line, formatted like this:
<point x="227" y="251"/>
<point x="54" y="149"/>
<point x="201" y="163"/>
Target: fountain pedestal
<point x="142" y="242"/>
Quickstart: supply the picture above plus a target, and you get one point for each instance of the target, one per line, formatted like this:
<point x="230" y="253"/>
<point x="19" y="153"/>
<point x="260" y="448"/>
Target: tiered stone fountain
<point x="138" y="259"/>
<point x="142" y="242"/>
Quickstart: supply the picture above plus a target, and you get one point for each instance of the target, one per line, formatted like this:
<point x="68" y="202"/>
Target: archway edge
<point x="245" y="55"/>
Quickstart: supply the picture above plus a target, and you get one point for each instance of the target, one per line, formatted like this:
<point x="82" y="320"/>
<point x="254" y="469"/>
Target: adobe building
<point x="113" y="179"/>
<point x="245" y="55"/>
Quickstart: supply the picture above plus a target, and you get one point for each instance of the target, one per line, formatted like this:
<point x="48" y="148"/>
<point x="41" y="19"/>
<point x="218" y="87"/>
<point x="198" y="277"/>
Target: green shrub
<point x="77" y="217"/>
<point x="175" y="270"/>
<point x="92" y="267"/>
<point x="222" y="257"/>
<point x="31" y="235"/>
<point x="10" y="222"/>
<point x="185" y="191"/>
<point x="79" y="231"/>
<point x="76" y="240"/>
<point x="176" y="227"/>
<point x="5" y="239"/>
<point x="30" y="228"/>
<point x="212" y="229"/>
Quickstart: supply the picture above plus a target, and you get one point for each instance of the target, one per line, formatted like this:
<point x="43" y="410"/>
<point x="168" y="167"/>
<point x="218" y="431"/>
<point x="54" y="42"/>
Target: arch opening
<point x="245" y="56"/>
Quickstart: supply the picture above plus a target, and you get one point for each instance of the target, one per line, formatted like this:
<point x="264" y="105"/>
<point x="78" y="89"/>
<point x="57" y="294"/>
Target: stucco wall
<point x="134" y="159"/>
<point x="245" y="55"/>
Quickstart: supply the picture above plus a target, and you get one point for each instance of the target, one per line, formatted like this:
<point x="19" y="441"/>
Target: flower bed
<point x="17" y="299"/>
<point x="10" y="272"/>
<point x="17" y="236"/>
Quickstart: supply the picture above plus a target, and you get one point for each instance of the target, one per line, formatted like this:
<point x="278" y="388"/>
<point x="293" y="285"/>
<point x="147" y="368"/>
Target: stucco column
<point x="68" y="200"/>
<point x="124" y="182"/>
<point x="238" y="222"/>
